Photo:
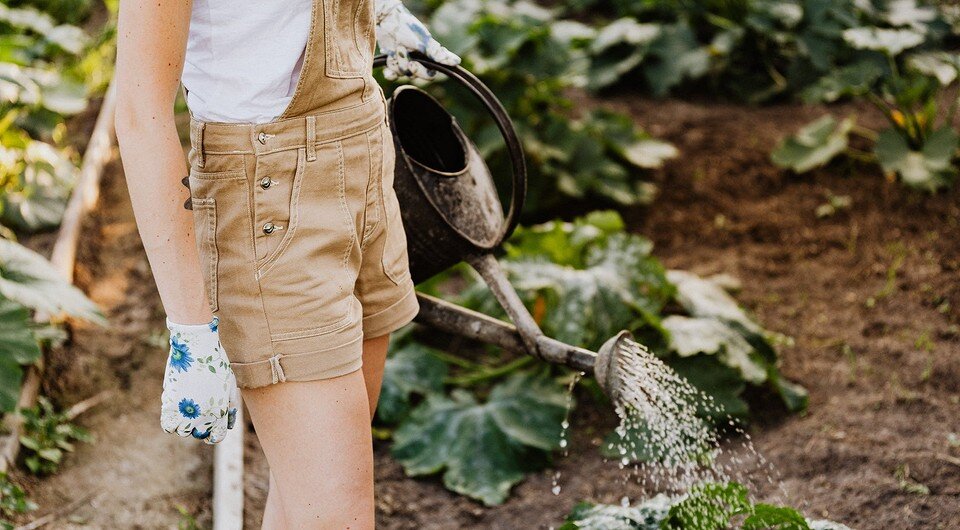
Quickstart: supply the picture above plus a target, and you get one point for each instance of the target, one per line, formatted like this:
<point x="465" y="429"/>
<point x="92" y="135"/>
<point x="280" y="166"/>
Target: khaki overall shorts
<point x="297" y="224"/>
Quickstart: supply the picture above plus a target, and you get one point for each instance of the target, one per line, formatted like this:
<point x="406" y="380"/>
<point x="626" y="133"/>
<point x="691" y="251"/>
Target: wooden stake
<point x="228" y="478"/>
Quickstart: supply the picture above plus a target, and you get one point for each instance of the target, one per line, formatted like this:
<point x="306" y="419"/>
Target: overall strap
<point x="337" y="66"/>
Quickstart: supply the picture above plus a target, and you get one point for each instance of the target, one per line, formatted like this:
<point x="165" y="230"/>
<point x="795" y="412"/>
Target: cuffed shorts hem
<point x="320" y="364"/>
<point x="394" y="317"/>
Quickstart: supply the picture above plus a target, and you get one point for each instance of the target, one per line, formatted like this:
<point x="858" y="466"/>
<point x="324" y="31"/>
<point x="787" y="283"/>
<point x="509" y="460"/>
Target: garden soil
<point x="870" y="297"/>
<point x="134" y="475"/>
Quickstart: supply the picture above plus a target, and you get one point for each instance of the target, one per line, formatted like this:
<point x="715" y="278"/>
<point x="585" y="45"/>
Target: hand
<point x="398" y="34"/>
<point x="200" y="394"/>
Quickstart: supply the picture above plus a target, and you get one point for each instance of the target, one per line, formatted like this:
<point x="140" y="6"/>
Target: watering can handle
<point x="509" y="133"/>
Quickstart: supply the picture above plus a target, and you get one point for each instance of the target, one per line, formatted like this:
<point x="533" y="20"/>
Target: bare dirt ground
<point x="871" y="297"/>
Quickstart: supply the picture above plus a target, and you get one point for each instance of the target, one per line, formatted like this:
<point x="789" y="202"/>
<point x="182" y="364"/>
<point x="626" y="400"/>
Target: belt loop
<point x="276" y="371"/>
<point x="196" y="141"/>
<point x="311" y="138"/>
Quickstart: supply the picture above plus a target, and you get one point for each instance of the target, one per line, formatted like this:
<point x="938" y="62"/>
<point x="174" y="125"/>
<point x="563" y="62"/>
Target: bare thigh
<point x="374" y="358"/>
<point x="316" y="437"/>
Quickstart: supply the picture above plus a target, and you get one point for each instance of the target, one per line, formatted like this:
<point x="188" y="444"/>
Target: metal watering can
<point x="452" y="212"/>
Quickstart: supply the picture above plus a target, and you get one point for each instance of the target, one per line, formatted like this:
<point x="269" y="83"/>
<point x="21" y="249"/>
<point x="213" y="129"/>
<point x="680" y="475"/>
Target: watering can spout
<point x="470" y="324"/>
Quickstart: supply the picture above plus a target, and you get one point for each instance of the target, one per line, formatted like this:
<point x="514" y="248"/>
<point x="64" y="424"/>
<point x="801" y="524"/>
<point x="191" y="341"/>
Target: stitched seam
<point x="356" y="24"/>
<point x="342" y="196"/>
<point x="387" y="224"/>
<point x="312" y="332"/>
<point x="220" y="175"/>
<point x="270" y="261"/>
<point x="302" y="145"/>
<point x="333" y="51"/>
<point x="321" y="117"/>
<point x="377" y="185"/>
<point x="392" y="307"/>
<point x="208" y="206"/>
<point x="307" y="56"/>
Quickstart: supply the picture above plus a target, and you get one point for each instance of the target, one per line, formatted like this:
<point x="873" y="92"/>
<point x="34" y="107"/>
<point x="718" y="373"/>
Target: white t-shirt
<point x="244" y="57"/>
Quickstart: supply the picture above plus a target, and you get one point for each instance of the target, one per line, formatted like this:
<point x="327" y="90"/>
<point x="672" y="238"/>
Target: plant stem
<point x="456" y="360"/>
<point x="884" y="109"/>
<point x="491" y="373"/>
<point x="861" y="156"/>
<point x="864" y="132"/>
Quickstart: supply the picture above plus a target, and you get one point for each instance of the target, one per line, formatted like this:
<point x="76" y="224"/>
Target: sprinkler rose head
<point x="606" y="368"/>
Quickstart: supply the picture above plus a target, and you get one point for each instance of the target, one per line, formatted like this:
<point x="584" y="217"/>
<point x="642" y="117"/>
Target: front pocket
<point x="348" y="38"/>
<point x="205" y="230"/>
<point x="394" y="259"/>
<point x="222" y="218"/>
<point x="277" y="205"/>
<point x="307" y="283"/>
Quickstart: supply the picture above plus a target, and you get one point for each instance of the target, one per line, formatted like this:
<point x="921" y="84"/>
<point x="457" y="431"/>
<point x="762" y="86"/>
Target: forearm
<point x="153" y="163"/>
<point x="151" y="43"/>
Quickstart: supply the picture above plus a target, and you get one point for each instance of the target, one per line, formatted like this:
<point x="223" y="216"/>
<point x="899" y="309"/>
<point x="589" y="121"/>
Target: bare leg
<point x="316" y="437"/>
<point x="374" y="357"/>
<point x="273" y="518"/>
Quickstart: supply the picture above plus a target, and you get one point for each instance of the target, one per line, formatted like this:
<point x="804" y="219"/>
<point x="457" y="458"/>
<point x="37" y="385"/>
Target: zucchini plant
<point x="483" y="423"/>
<point x="905" y="83"/>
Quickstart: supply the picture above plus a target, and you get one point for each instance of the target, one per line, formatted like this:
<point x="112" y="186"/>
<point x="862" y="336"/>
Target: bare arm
<point x="151" y="44"/>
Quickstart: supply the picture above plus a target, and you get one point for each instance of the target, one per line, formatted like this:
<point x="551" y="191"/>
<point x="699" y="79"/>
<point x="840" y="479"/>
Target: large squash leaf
<point x="814" y="145"/>
<point x="40" y="186"/>
<point x="28" y="278"/>
<point x="18" y="346"/>
<point x="410" y="370"/>
<point x="930" y="168"/>
<point x="483" y="448"/>
<point x="583" y="281"/>
<point x="646" y="516"/>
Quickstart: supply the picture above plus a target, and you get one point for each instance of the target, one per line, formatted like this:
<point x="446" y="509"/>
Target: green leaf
<point x="890" y="41"/>
<point x="814" y="145"/>
<point x="28" y="278"/>
<point x="908" y="13"/>
<point x="646" y="516"/>
<point x="928" y="169"/>
<point x="69" y="38"/>
<point x="617" y="49"/>
<point x="11" y="377"/>
<point x="485" y="448"/>
<point x="769" y="517"/>
<point x="692" y="335"/>
<point x="52" y="454"/>
<point x="721" y="382"/>
<point x="794" y="396"/>
<point x="410" y="370"/>
<point x="649" y="153"/>
<point x="943" y="66"/>
<point x="680" y="57"/>
<point x="852" y="80"/>
<point x="708" y="507"/>
<point x="17" y="340"/>
<point x="618" y="285"/>
<point x="640" y="444"/>
<point x="704" y="298"/>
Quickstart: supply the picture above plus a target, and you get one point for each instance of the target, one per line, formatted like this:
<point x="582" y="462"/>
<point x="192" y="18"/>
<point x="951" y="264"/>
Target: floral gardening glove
<point x="200" y="395"/>
<point x="398" y="34"/>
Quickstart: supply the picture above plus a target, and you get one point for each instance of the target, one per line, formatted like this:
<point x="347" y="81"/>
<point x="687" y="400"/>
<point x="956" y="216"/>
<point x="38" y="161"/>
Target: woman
<point x="285" y="270"/>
